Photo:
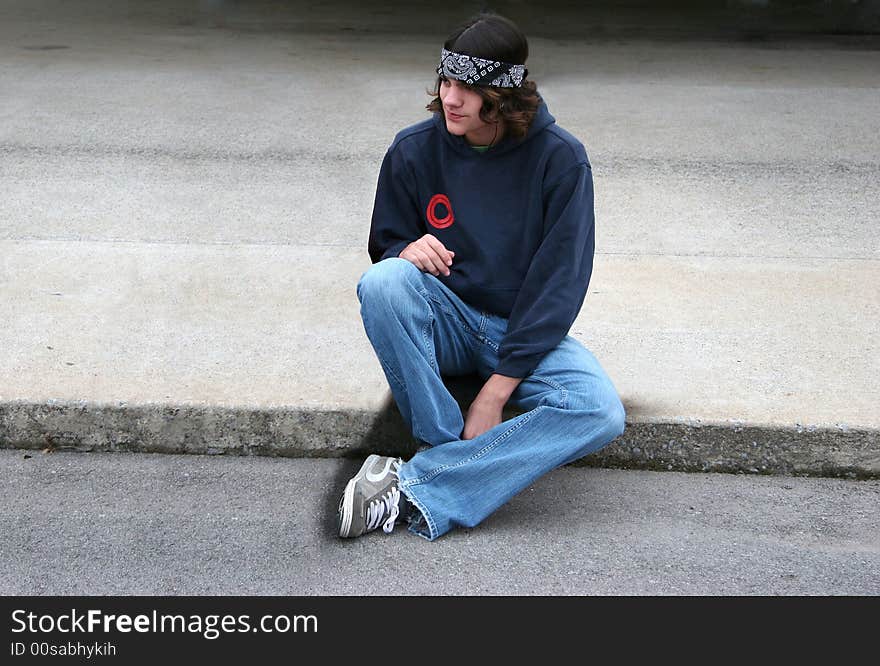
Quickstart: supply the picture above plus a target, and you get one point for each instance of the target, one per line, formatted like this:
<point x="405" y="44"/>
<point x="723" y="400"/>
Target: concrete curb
<point x="288" y="431"/>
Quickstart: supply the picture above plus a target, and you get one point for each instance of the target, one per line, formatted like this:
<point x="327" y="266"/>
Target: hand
<point x="428" y="255"/>
<point x="482" y="416"/>
<point x="485" y="411"/>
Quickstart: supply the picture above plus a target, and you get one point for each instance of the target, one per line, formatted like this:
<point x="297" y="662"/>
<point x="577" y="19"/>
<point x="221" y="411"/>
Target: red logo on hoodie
<point x="440" y="222"/>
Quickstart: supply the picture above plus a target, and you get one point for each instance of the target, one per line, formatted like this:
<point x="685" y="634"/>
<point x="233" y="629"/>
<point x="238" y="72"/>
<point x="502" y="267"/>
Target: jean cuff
<point x="421" y="524"/>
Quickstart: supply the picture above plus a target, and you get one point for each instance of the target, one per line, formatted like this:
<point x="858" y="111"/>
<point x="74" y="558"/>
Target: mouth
<point x="454" y="116"/>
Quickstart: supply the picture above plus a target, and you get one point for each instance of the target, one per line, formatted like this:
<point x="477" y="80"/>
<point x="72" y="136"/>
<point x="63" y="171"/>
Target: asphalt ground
<point x="152" y="524"/>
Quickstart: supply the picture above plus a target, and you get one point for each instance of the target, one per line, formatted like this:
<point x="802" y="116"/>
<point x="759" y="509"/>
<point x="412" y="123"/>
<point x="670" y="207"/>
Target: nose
<point x="453" y="96"/>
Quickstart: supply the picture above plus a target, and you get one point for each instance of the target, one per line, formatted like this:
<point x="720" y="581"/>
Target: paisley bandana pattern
<point x="479" y="71"/>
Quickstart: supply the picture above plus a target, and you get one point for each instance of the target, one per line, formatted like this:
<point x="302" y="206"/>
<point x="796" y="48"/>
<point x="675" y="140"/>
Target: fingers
<point x="429" y="255"/>
<point x="428" y="261"/>
<point x="422" y="260"/>
<point x="479" y="420"/>
<point x="438" y="247"/>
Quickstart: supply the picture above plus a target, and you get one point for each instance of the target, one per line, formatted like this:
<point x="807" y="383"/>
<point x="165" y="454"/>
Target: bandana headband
<point x="479" y="71"/>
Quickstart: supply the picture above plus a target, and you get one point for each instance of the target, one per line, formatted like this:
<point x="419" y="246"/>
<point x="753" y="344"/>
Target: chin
<point x="454" y="129"/>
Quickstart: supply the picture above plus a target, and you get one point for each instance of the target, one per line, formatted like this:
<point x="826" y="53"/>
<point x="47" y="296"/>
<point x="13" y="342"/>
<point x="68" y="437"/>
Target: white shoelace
<point x="387" y="504"/>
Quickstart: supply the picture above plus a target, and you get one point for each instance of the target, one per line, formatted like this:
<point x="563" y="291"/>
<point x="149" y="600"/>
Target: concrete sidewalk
<point x="185" y="210"/>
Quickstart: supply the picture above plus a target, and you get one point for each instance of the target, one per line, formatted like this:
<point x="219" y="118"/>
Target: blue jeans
<point x="421" y="330"/>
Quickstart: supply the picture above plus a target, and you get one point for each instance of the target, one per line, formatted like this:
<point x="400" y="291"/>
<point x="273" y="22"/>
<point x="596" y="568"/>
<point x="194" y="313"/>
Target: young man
<point x="482" y="245"/>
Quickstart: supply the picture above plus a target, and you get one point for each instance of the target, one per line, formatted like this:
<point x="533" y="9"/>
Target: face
<point x="461" y="107"/>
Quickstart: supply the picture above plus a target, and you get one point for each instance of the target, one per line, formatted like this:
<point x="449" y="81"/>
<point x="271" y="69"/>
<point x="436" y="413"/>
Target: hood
<point x="541" y="121"/>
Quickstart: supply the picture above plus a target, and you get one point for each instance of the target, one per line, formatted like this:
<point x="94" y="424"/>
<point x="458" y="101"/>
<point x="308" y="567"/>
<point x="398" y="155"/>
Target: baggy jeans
<point x="420" y="331"/>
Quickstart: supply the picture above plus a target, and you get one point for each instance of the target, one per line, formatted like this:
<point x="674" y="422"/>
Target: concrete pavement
<point x="185" y="208"/>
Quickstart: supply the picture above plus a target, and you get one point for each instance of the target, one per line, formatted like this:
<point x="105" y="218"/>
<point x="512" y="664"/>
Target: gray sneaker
<point x="371" y="498"/>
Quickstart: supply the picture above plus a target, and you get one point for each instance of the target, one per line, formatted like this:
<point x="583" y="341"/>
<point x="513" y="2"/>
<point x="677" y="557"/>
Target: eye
<point x="444" y="81"/>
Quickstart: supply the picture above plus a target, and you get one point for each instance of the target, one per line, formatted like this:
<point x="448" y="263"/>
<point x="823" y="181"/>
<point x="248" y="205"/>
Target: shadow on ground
<point x="389" y="435"/>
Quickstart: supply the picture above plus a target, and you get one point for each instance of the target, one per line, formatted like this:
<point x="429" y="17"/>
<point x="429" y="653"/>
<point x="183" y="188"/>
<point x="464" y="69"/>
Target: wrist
<point x="498" y="389"/>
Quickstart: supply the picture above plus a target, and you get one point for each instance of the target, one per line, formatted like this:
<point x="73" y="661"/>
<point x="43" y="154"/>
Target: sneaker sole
<point x="346" y="510"/>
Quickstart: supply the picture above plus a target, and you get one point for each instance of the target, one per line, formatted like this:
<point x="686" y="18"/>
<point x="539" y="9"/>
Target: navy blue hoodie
<point x="519" y="218"/>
